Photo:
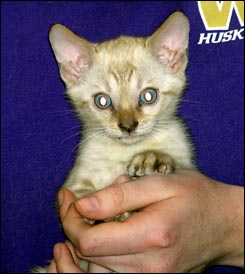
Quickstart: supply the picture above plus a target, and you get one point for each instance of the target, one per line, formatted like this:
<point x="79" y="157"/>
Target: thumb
<point x="127" y="196"/>
<point x="65" y="199"/>
<point x="64" y="260"/>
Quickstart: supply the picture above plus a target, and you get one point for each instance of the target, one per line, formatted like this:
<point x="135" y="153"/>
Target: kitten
<point x="126" y="92"/>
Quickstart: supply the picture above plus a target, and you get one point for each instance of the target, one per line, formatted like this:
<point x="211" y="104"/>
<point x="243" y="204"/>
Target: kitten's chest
<point x="107" y="156"/>
<point x="110" y="156"/>
<point x="103" y="162"/>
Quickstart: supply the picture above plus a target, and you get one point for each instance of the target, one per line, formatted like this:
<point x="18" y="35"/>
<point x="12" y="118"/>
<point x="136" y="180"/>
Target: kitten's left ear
<point x="73" y="53"/>
<point x="170" y="42"/>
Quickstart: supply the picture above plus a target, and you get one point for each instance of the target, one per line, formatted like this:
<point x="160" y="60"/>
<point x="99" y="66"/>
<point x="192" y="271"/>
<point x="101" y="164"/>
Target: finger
<point x="73" y="253"/>
<point x="122" y="238"/>
<point x="106" y="238"/>
<point x="52" y="267"/>
<point x="65" y="199"/>
<point x="128" y="196"/>
<point x="122" y="179"/>
<point x="85" y="237"/>
<point x="64" y="260"/>
<point x="74" y="225"/>
<point x="136" y="234"/>
<point x="95" y="268"/>
<point x="130" y="263"/>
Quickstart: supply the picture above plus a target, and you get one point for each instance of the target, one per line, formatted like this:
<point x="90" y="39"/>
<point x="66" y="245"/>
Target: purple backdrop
<point x="40" y="133"/>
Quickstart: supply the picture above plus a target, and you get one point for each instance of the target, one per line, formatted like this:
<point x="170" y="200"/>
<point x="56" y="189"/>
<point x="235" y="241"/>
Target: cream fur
<point x="122" y="68"/>
<point x="128" y="137"/>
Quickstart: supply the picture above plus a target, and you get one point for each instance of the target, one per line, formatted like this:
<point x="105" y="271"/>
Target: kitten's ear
<point x="73" y="53"/>
<point x="170" y="42"/>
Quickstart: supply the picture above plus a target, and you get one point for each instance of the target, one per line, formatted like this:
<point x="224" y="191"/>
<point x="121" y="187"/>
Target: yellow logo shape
<point x="216" y="15"/>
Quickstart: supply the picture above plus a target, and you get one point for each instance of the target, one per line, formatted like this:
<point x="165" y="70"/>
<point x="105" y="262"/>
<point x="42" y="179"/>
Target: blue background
<point x="40" y="132"/>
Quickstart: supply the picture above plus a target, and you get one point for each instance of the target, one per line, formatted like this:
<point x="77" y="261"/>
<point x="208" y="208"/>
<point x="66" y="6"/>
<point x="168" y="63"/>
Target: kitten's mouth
<point x="126" y="138"/>
<point x="130" y="139"/>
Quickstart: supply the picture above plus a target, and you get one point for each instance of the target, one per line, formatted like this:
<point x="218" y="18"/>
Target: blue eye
<point x="102" y="101"/>
<point x="148" y="96"/>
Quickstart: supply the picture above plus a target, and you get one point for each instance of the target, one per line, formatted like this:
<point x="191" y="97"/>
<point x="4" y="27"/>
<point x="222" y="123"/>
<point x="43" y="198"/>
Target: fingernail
<point x="56" y="252"/>
<point x="88" y="204"/>
<point x="61" y="197"/>
<point x="122" y="179"/>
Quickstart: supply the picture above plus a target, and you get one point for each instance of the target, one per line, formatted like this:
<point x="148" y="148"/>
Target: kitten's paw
<point x="150" y="162"/>
<point x="89" y="221"/>
<point x="121" y="217"/>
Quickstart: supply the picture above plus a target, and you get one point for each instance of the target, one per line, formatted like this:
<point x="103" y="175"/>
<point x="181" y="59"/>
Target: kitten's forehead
<point x="121" y="54"/>
<point x="122" y="46"/>
<point x="123" y="82"/>
<point x="122" y="73"/>
<point x="120" y="60"/>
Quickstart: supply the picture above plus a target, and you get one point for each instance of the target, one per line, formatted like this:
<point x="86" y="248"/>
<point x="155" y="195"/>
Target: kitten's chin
<point x="128" y="140"/>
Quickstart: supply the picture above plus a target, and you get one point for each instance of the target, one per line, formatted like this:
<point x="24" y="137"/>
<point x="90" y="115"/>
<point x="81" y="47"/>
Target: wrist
<point x="232" y="248"/>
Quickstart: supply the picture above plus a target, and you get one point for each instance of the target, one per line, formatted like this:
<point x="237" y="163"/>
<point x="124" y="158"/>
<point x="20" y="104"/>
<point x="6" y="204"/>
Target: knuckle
<point x="162" y="238"/>
<point x="121" y="179"/>
<point x="66" y="227"/>
<point x="118" y="195"/>
<point x="65" y="219"/>
<point x="87" y="246"/>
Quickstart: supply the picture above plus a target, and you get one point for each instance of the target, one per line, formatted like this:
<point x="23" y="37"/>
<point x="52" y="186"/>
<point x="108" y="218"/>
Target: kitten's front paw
<point x="150" y="162"/>
<point x="120" y="218"/>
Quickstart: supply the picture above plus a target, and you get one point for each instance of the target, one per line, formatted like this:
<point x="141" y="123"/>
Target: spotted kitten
<point x="126" y="91"/>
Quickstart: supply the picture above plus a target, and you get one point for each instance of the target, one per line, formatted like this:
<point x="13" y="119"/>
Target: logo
<point x="216" y="17"/>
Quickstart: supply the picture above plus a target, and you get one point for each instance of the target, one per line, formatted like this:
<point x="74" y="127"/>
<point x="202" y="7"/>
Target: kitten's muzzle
<point x="128" y="125"/>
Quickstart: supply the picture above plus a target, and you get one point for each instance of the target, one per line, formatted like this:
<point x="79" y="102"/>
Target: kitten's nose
<point x="128" y="125"/>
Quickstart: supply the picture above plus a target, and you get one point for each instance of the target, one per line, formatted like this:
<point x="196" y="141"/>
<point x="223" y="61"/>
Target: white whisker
<point x="61" y="112"/>
<point x="101" y="129"/>
<point x="72" y="136"/>
<point x="72" y="128"/>
<point x="190" y="101"/>
<point x="95" y="135"/>
<point x="67" y="157"/>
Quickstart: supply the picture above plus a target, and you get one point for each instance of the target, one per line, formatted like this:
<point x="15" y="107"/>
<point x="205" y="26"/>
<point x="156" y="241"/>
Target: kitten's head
<point x="127" y="86"/>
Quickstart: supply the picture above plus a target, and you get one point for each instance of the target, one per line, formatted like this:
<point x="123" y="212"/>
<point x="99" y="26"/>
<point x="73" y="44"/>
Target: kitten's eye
<point x="148" y="96"/>
<point x="102" y="101"/>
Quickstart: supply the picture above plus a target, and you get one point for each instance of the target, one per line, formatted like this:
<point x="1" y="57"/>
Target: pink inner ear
<point x="66" y="52"/>
<point x="72" y="53"/>
<point x="71" y="71"/>
<point x="170" y="41"/>
<point x="83" y="62"/>
<point x="173" y="58"/>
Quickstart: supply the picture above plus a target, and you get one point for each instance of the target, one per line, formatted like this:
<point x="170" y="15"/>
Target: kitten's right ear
<point x="170" y="42"/>
<point x="73" y="54"/>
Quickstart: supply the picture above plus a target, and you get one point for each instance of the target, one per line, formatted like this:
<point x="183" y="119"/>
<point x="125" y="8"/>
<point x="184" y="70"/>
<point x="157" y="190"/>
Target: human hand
<point x="186" y="222"/>
<point x="65" y="261"/>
